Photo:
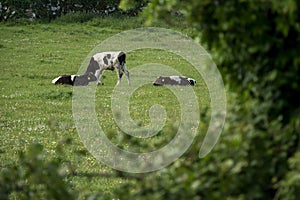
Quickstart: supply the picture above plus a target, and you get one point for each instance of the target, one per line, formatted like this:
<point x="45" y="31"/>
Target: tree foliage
<point x="50" y="9"/>
<point x="34" y="178"/>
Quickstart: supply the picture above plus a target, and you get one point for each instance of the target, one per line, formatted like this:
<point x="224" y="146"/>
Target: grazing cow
<point x="77" y="80"/>
<point x="108" y="61"/>
<point x="174" y="80"/>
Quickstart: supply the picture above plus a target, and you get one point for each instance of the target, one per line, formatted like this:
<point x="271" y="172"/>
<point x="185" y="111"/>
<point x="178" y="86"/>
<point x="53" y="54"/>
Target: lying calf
<point x="174" y="80"/>
<point x="77" y="80"/>
<point x="108" y="61"/>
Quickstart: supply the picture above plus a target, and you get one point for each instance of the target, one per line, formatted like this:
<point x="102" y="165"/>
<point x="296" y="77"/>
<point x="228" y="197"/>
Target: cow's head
<point x="84" y="79"/>
<point x="192" y="81"/>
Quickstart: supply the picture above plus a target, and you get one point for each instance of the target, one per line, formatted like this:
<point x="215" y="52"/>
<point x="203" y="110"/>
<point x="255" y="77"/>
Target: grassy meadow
<point x="33" y="111"/>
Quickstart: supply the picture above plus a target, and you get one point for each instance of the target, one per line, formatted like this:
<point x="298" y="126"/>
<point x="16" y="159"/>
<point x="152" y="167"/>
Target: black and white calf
<point x="98" y="63"/>
<point x="174" y="80"/>
<point x="108" y="61"/>
<point x="75" y="79"/>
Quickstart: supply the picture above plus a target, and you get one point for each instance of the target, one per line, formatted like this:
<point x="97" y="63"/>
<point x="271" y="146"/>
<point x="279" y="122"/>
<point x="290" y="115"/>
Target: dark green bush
<point x="33" y="177"/>
<point x="76" y="17"/>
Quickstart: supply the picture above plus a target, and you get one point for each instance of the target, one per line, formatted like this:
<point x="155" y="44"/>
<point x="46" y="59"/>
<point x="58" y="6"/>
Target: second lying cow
<point x="76" y="80"/>
<point x="174" y="80"/>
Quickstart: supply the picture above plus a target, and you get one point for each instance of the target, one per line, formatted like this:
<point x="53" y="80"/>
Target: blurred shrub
<point x="32" y="177"/>
<point x="289" y="187"/>
<point x="76" y="17"/>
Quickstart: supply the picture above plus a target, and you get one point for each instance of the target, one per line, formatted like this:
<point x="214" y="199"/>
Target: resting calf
<point x="75" y="79"/>
<point x="174" y="80"/>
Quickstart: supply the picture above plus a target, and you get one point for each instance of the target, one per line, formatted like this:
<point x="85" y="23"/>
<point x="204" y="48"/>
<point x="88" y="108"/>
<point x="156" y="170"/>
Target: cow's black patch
<point x="108" y="56"/>
<point x="122" y="58"/>
<point x="91" y="77"/>
<point x="93" y="66"/>
<point x="64" y="79"/>
<point x="75" y="80"/>
<point x="105" y="60"/>
<point x="83" y="80"/>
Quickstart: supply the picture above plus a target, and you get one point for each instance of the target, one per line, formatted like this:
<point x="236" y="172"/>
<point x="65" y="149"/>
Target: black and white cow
<point x="174" y="80"/>
<point x="75" y="79"/>
<point x="108" y="61"/>
<point x="98" y="63"/>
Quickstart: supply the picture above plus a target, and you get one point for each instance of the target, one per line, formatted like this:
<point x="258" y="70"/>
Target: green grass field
<point x="35" y="111"/>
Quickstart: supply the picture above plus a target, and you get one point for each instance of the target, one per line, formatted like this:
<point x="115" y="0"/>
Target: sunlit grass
<point x="32" y="110"/>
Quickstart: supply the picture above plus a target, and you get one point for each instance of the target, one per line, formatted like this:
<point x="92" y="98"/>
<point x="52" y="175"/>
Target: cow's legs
<point x="98" y="75"/>
<point x="120" y="74"/>
<point x="121" y="70"/>
<point x="126" y="73"/>
<point x="124" y="69"/>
